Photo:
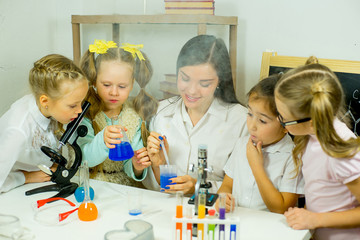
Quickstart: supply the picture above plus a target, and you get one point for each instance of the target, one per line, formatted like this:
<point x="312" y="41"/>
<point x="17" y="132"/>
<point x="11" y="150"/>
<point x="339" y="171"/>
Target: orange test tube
<point x="179" y="214"/>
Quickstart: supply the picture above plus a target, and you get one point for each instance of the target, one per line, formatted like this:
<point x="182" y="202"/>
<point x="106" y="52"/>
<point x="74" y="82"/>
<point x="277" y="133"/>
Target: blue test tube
<point x="232" y="232"/>
<point x="222" y="205"/>
<point x="232" y="226"/>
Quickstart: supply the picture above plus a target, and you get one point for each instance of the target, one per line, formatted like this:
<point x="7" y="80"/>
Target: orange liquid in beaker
<point x="87" y="211"/>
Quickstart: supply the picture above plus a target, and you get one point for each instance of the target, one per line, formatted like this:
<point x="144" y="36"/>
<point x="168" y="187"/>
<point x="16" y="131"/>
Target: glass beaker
<point x="10" y="228"/>
<point x="80" y="191"/>
<point x="166" y="173"/>
<point x="123" y="150"/>
<point x="87" y="210"/>
<point x="135" y="202"/>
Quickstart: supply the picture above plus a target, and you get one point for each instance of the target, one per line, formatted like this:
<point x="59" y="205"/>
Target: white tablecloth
<point x="111" y="201"/>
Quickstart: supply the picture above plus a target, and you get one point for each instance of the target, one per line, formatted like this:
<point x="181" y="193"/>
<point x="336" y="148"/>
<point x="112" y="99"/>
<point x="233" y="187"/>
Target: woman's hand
<point x="183" y="183"/>
<point x="229" y="203"/>
<point x="112" y="135"/>
<point x="300" y="218"/>
<point x="140" y="161"/>
<point x="156" y="154"/>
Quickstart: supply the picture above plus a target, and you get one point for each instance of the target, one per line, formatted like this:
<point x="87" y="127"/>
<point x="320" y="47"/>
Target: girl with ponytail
<point x="310" y="100"/>
<point x="112" y="71"/>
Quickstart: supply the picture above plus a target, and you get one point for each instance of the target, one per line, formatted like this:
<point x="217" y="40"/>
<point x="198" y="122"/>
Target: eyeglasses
<point x="49" y="215"/>
<point x="284" y="124"/>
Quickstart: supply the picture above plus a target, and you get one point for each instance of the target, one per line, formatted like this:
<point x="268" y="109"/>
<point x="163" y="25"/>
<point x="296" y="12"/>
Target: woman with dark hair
<point x="206" y="112"/>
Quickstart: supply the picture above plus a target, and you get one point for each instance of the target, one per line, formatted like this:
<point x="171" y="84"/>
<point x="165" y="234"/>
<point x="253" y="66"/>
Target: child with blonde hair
<point x="310" y="101"/>
<point x="111" y="74"/>
<point x="58" y="89"/>
<point x="260" y="171"/>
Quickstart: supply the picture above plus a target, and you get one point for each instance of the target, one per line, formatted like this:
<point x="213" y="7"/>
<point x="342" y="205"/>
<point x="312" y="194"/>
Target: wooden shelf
<point x="160" y="19"/>
<point x="201" y="20"/>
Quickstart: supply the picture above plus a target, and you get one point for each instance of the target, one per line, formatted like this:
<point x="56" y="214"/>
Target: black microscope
<point x="61" y="177"/>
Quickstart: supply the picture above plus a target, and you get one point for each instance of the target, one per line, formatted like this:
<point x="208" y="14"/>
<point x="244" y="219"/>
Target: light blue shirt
<point x="95" y="151"/>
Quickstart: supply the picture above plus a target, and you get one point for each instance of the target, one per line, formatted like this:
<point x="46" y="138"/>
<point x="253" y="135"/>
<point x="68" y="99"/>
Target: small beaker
<point x="166" y="173"/>
<point x="123" y="150"/>
<point x="10" y="228"/>
<point x="134" y="202"/>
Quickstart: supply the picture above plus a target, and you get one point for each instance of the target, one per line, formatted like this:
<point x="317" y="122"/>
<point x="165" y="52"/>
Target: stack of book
<point x="190" y="7"/>
<point x="168" y="87"/>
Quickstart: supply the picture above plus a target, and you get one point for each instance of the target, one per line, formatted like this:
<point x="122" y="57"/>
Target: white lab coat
<point x="23" y="130"/>
<point x="219" y="129"/>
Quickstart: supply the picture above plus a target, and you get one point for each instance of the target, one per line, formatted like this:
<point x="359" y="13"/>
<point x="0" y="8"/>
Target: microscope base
<point x="210" y="199"/>
<point x="63" y="190"/>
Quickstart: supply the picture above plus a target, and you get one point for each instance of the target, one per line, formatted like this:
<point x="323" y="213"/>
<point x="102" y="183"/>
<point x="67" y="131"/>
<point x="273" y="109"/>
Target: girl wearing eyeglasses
<point x="309" y="100"/>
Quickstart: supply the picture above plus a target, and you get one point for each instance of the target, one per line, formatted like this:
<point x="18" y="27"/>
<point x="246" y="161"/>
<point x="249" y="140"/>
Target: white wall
<point x="30" y="29"/>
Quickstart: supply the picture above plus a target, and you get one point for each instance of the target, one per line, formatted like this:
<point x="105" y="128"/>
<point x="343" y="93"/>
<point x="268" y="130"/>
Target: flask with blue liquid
<point x="123" y="150"/>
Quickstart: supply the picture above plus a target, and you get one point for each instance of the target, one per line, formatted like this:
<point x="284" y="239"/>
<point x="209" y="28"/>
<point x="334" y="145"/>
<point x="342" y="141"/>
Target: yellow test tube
<point x="201" y="215"/>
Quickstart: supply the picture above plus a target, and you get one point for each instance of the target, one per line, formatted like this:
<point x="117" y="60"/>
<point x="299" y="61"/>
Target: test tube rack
<point x="207" y="221"/>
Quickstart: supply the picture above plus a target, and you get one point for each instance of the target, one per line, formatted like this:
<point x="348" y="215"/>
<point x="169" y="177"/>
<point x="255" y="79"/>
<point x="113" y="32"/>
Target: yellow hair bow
<point x="134" y="50"/>
<point x="101" y="46"/>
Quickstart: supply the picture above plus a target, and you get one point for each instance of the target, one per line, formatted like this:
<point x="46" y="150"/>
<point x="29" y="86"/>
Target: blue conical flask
<point x="123" y="150"/>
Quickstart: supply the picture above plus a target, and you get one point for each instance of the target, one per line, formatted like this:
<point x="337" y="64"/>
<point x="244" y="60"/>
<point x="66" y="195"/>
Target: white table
<point x="111" y="201"/>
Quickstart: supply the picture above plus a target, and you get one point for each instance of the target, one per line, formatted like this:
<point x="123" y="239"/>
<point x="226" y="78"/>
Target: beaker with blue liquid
<point x="167" y="172"/>
<point x="123" y="150"/>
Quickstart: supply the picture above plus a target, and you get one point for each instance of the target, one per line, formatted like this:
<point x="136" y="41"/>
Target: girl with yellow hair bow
<point x="111" y="74"/>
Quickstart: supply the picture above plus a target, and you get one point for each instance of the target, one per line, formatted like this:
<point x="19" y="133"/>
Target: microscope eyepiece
<point x="202" y="151"/>
<point x="71" y="127"/>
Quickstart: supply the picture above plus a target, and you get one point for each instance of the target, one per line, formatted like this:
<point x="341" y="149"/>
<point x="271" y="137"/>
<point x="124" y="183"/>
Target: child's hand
<point x="230" y="203"/>
<point x="111" y="133"/>
<point x="35" y="177"/>
<point x="254" y="154"/>
<point x="300" y="218"/>
<point x="153" y="147"/>
<point x="140" y="161"/>
<point x="54" y="167"/>
<point x="184" y="183"/>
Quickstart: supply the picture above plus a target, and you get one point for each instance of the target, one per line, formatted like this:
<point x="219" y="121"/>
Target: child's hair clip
<point x="101" y="46"/>
<point x="133" y="49"/>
